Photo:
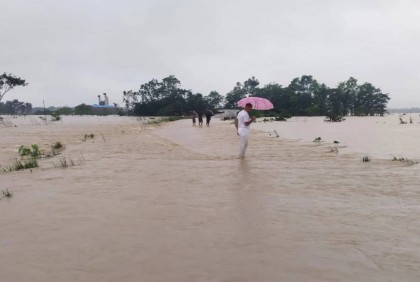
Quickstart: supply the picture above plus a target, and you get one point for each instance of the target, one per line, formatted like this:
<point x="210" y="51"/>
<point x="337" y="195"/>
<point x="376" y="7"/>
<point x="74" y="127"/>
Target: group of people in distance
<point x="199" y="116"/>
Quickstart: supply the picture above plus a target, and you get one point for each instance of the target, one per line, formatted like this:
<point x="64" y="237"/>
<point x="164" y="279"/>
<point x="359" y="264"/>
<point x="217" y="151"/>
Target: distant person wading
<point x="242" y="124"/>
<point x="208" y="117"/>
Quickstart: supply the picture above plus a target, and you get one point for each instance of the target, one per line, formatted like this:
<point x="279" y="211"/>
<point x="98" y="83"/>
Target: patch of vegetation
<point x="64" y="163"/>
<point x="282" y="117"/>
<point x="159" y="121"/>
<point x="404" y="160"/>
<point x="334" y="150"/>
<point x="55" y="116"/>
<point x="26" y="151"/>
<point x="7" y="194"/>
<point x="35" y="152"/>
<point x="334" y="118"/>
<point x="22" y="164"/>
<point x="57" y="147"/>
<point x="317" y="140"/>
<point x="366" y="159"/>
<point x="89" y="136"/>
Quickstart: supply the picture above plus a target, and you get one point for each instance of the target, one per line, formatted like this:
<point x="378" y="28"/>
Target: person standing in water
<point x="200" y="119"/>
<point x="242" y="124"/>
<point x="208" y="117"/>
<point x="194" y="116"/>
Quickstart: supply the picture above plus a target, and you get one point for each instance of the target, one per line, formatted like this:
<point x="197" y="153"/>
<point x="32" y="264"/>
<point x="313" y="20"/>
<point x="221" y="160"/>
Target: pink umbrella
<point x="258" y="103"/>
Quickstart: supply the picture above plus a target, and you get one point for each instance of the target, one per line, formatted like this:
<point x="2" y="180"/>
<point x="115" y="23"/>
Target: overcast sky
<point x="71" y="51"/>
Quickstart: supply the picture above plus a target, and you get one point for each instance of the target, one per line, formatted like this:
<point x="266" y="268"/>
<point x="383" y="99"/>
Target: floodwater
<point x="173" y="203"/>
<point x="377" y="137"/>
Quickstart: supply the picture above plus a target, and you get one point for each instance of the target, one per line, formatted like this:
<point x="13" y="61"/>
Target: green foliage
<point x="303" y="96"/>
<point x="167" y="98"/>
<point x="8" y="82"/>
<point x="334" y="117"/>
<point x="33" y="151"/>
<point x="24" y="151"/>
<point x="238" y="92"/>
<point x="22" y="164"/>
<point x="214" y="100"/>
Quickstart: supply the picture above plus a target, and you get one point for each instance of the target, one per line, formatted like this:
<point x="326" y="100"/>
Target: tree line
<point x="304" y="96"/>
<point x="15" y="107"/>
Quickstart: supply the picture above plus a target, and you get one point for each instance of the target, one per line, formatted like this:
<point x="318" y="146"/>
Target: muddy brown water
<point x="173" y="203"/>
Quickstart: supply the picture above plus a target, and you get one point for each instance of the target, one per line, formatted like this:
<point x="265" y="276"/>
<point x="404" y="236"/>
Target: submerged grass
<point x="404" y="160"/>
<point x="64" y="162"/>
<point x="57" y="147"/>
<point x="22" y="164"/>
<point x="7" y="194"/>
<point x="89" y="136"/>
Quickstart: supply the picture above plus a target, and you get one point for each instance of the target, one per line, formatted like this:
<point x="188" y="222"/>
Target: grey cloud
<point x="70" y="51"/>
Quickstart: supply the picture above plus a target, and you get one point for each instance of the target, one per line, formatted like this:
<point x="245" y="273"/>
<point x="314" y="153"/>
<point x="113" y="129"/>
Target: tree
<point x="15" y="107"/>
<point x="334" y="105"/>
<point x="302" y="100"/>
<point x="320" y="99"/>
<point x="370" y="100"/>
<point x="251" y="86"/>
<point x="235" y="95"/>
<point x="214" y="100"/>
<point x="349" y="90"/>
<point x="83" y="109"/>
<point x="8" y="82"/>
<point x="65" y="111"/>
<point x="195" y="102"/>
<point x="278" y="95"/>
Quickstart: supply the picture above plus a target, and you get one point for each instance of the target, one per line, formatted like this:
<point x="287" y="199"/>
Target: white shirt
<point x="243" y="117"/>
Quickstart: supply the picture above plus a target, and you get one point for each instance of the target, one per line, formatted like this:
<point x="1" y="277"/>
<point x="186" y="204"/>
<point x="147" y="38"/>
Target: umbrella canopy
<point x="258" y="103"/>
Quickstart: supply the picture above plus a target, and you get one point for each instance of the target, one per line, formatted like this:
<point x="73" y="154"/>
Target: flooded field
<point x="173" y="202"/>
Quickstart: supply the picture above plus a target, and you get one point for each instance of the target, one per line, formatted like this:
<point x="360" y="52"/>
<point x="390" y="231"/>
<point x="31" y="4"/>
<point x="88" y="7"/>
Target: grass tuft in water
<point x="22" y="164"/>
<point x="317" y="140"/>
<point x="64" y="162"/>
<point x="7" y="194"/>
<point x="89" y="136"/>
<point x="366" y="159"/>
